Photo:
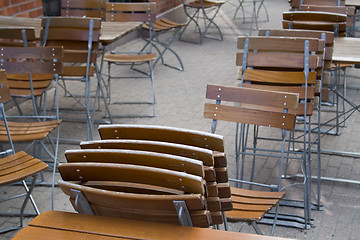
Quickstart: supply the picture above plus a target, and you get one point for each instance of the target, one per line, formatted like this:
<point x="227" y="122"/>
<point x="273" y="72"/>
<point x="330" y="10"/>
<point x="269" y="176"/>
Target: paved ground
<point x="180" y="97"/>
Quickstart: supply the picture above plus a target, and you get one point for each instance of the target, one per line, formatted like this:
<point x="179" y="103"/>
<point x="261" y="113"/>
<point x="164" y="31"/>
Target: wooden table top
<point x="65" y="225"/>
<point x="110" y="31"/>
<point x="346" y="50"/>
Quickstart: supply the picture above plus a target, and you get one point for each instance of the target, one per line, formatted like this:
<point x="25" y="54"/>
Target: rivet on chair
<point x="180" y="179"/>
<point x="84" y="156"/>
<point x="77" y="170"/>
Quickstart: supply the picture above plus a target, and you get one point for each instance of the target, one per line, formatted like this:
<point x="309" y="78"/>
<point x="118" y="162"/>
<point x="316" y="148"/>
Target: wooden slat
<point x="329" y="36"/>
<point x="161" y="133"/>
<point x="252" y="96"/>
<point x="278" y="60"/>
<point x="288" y="44"/>
<point x="201" y="154"/>
<point x="142" y="158"/>
<point x="122" y="200"/>
<point x="277" y="77"/>
<point x="136" y="174"/>
<point x="251" y="116"/>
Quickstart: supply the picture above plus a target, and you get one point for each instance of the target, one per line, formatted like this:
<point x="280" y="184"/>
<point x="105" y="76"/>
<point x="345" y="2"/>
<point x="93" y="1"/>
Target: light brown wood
<point x="132" y="173"/>
<point x="135" y="157"/>
<point x="251" y="96"/>
<point x="19" y="166"/>
<point x="204" y="155"/>
<point x="64" y="225"/>
<point x="251" y="116"/>
<point x="162" y="133"/>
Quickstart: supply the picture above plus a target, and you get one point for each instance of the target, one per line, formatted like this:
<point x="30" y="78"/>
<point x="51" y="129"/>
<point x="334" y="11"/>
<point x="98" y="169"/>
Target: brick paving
<point x="180" y="97"/>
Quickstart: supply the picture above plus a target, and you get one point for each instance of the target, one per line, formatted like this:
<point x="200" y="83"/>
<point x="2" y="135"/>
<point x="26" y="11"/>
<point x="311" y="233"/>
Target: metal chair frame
<point x="120" y="12"/>
<point x="86" y="104"/>
<point x="202" y="12"/>
<point x="254" y="13"/>
<point x="165" y="44"/>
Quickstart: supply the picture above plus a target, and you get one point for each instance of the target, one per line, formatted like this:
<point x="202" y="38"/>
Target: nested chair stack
<point x="80" y="38"/>
<point x="198" y="11"/>
<point x="272" y="64"/>
<point x="159" y="172"/>
<point x="248" y="206"/>
<point x="132" y="12"/>
<point x="16" y="166"/>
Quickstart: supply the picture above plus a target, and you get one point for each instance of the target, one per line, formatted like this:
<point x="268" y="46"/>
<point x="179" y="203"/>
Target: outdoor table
<point x="346" y="51"/>
<point x="65" y="225"/>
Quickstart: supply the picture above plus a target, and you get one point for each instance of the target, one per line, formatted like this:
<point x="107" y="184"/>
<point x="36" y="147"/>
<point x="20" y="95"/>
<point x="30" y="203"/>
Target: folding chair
<point x="80" y="38"/>
<point x="127" y="12"/>
<point x="254" y="13"/>
<point x="16" y="166"/>
<point x="83" y="8"/>
<point x="35" y="129"/>
<point x="21" y="87"/>
<point x="252" y="110"/>
<point x="162" y="26"/>
<point x="204" y="10"/>
<point x="247" y="205"/>
<point x="150" y="194"/>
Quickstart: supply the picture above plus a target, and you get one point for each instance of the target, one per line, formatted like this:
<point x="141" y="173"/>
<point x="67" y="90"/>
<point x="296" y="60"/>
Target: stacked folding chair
<point x="15" y="167"/>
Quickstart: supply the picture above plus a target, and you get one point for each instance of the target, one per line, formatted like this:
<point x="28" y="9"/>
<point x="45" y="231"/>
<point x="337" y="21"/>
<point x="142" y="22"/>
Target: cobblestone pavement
<point x="180" y="97"/>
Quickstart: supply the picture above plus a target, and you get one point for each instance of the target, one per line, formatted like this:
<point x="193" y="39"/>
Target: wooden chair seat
<point x="19" y="166"/>
<point x="27" y="131"/>
<point x="206" y="4"/>
<point x="251" y="205"/>
<point x="124" y="58"/>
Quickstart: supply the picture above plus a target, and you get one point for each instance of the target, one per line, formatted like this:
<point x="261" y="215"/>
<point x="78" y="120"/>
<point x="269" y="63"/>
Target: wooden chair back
<point x="130" y="12"/>
<point x="199" y="139"/>
<point x="345" y="10"/>
<point x="254" y="100"/>
<point x="19" y="83"/>
<point x="316" y="21"/>
<point x="296" y="4"/>
<point x="151" y="207"/>
<point x="80" y="38"/>
<point x="17" y="36"/>
<point x="329" y="46"/>
<point x="83" y="8"/>
<point x="279" y="65"/>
